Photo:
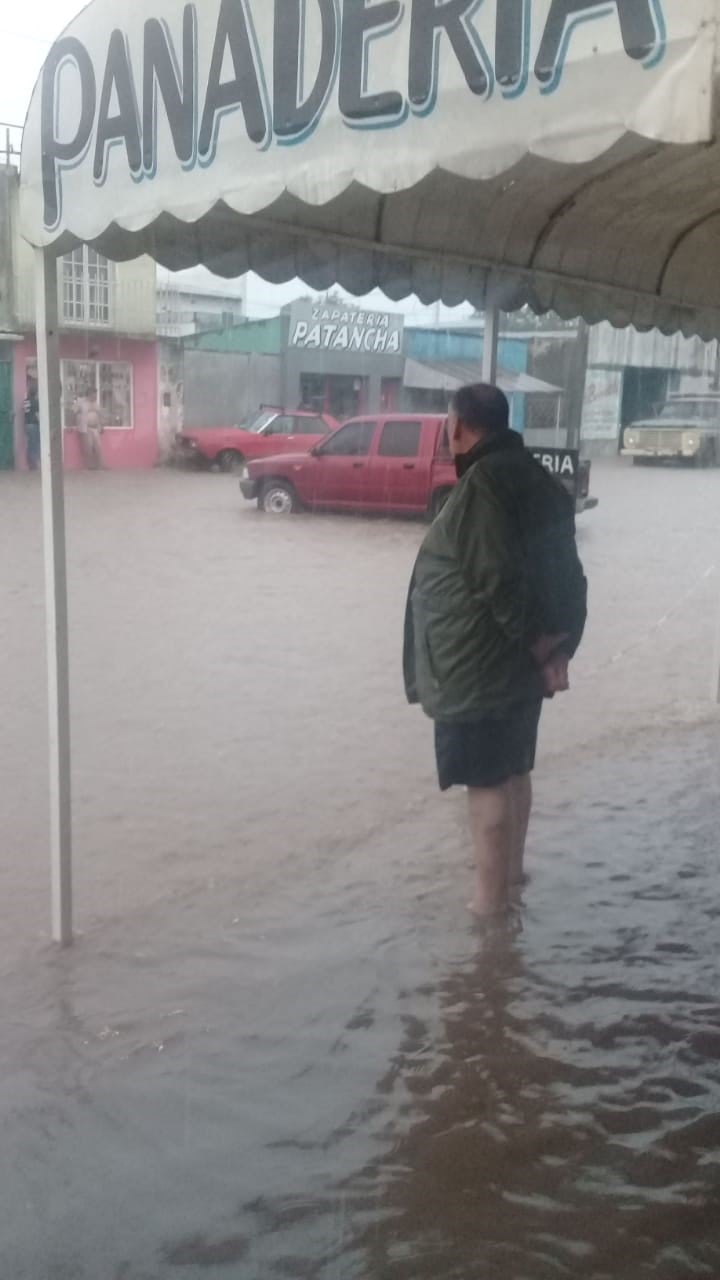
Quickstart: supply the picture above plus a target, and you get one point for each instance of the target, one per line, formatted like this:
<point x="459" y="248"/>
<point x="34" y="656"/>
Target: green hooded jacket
<point x="498" y="569"/>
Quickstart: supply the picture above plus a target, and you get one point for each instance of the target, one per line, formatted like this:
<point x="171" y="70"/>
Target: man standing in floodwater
<point x="90" y="431"/>
<point x="497" y="609"/>
<point x="31" y="418"/>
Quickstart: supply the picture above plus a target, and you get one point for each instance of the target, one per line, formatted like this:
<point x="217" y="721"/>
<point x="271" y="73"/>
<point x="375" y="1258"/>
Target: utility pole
<point x="571" y="419"/>
<point x="491" y="335"/>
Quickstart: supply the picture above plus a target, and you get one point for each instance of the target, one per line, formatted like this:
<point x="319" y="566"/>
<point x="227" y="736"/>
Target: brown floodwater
<point x="280" y="1048"/>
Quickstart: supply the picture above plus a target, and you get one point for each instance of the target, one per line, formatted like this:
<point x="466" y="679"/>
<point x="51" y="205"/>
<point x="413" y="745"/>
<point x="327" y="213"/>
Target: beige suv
<point x="687" y="429"/>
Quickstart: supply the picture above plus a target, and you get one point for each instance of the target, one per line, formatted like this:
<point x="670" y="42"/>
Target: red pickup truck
<point x="393" y="463"/>
<point x="388" y="463"/>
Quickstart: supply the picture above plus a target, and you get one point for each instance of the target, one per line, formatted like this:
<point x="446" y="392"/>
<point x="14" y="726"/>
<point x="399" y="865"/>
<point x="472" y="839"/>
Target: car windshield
<point x="261" y="420"/>
<point x="697" y="410"/>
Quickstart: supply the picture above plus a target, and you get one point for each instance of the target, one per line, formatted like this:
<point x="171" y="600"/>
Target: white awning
<point x="448" y="375"/>
<point x="553" y="153"/>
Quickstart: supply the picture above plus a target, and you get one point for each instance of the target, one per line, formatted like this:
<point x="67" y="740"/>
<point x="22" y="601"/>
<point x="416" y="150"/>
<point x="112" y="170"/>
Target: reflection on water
<point x="550" y="1131"/>
<point x="534" y="1128"/>
<point x="552" y="1108"/>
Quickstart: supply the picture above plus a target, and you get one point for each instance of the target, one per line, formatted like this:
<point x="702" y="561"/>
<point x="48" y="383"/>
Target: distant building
<point x="108" y="345"/>
<point x="439" y="360"/>
<point x="629" y="375"/>
<point x="339" y="358"/>
<point x="190" y="303"/>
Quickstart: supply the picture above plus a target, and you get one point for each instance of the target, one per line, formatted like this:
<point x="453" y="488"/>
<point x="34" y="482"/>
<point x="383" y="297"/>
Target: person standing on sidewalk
<point x="31" y="419"/>
<point x="496" y="610"/>
<point x="90" y="431"/>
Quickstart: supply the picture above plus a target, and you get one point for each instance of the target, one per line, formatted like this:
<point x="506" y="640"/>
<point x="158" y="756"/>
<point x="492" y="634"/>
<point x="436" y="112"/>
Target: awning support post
<point x="490" y="343"/>
<point x="56" y="605"/>
<point x="715" y="692"/>
<point x="574" y="398"/>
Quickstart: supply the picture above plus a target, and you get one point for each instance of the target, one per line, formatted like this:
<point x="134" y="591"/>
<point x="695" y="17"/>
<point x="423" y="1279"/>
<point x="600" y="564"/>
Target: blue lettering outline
<point x="300" y="82"/>
<point x="377" y="33"/>
<point x="655" y="58"/>
<point x="187" y="166"/>
<point x="427" y="108"/>
<point x="310" y="129"/>
<point x="110" y="144"/>
<point x="606" y="9"/>
<point x="206" y="160"/>
<point x="67" y="166"/>
<point x="524" y="80"/>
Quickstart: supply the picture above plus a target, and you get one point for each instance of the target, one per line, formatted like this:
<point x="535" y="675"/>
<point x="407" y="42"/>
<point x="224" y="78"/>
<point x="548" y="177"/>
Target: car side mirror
<point x="316" y="451"/>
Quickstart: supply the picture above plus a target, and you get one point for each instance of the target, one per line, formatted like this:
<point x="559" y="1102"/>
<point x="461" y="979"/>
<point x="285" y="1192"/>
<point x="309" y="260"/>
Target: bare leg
<point x="522" y="795"/>
<point x="493" y="831"/>
<point x="97" y="459"/>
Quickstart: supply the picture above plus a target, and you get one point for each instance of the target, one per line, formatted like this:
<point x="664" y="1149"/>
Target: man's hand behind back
<point x="556" y="674"/>
<point x="546" y="647"/>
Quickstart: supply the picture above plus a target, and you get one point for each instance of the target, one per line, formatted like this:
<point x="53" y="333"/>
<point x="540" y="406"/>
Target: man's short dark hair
<point x="482" y="407"/>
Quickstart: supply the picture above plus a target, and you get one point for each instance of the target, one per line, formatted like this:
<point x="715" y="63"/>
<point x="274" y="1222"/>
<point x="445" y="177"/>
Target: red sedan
<point x="272" y="432"/>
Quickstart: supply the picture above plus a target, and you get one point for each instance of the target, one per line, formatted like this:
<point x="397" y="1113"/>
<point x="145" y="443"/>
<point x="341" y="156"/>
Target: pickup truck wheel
<point x="278" y="499"/>
<point x="230" y="462"/>
<point x="437" y="502"/>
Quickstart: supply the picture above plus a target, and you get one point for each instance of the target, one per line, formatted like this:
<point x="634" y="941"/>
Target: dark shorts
<point x="485" y="753"/>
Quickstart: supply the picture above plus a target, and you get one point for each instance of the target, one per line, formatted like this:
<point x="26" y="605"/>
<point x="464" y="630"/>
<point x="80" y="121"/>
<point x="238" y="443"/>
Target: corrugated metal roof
<point x="448" y="375"/>
<point x="653" y="350"/>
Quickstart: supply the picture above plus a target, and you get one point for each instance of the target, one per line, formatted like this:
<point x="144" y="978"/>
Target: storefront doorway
<point x="644" y="391"/>
<point x="7" y="449"/>
<point x="343" y="396"/>
<point x="390" y="394"/>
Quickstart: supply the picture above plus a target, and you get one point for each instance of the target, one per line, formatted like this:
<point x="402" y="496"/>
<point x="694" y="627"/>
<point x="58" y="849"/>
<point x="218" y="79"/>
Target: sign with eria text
<point x="562" y="463"/>
<point x="167" y="106"/>
<point x="339" y="328"/>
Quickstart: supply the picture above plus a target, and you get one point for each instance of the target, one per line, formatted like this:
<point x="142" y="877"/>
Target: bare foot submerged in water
<point x="496" y="930"/>
<point x="483" y="914"/>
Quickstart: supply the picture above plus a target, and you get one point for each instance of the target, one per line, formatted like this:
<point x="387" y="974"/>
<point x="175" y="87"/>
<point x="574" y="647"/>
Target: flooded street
<point x="280" y="1048"/>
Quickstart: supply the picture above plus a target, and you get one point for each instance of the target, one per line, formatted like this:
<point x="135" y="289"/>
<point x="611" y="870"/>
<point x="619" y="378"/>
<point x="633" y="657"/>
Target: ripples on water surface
<point x="279" y="1050"/>
<point x="552" y="1108"/>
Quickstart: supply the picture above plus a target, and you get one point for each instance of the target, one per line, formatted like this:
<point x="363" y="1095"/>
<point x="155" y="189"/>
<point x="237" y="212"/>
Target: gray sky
<point x="26" y="32"/>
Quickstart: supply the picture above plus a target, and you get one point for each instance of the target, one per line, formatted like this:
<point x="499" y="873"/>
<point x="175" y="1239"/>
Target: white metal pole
<point x="490" y="343"/>
<point x="715" y="691"/>
<point x="51" y="434"/>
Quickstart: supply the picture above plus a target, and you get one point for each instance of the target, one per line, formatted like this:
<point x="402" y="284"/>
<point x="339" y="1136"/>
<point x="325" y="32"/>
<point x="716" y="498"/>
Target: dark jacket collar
<point x="499" y="441"/>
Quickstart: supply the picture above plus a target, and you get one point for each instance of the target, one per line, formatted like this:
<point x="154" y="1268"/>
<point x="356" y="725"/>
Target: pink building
<point x="124" y="373"/>
<point x="108" y="345"/>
